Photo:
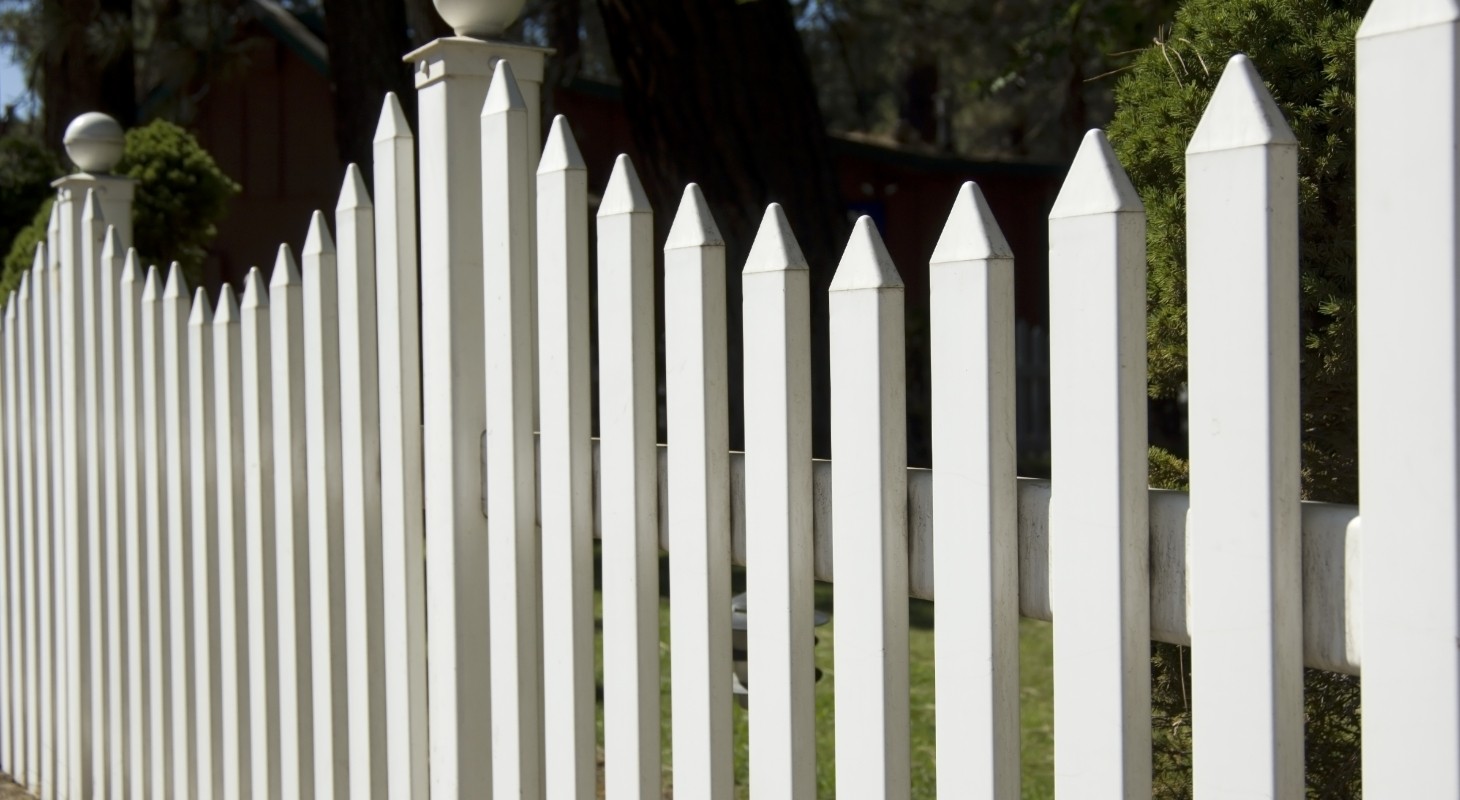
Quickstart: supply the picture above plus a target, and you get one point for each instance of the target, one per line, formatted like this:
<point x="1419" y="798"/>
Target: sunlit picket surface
<point x="319" y="541"/>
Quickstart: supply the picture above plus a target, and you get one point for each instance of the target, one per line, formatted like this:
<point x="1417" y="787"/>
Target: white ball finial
<point x="94" y="142"/>
<point x="481" y="19"/>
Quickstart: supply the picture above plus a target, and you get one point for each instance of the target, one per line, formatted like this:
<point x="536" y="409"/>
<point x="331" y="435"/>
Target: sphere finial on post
<point x="480" y="19"/>
<point x="94" y="142"/>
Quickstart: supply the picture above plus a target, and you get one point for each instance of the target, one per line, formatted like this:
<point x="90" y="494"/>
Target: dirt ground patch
<point x="9" y="791"/>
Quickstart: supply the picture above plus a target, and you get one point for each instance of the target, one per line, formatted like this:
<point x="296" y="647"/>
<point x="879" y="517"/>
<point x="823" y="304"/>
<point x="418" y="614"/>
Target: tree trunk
<point x="719" y="92"/>
<point x="366" y="39"/>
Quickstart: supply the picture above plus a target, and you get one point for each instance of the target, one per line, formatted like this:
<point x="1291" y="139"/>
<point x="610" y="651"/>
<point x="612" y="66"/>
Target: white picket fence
<point x="228" y="527"/>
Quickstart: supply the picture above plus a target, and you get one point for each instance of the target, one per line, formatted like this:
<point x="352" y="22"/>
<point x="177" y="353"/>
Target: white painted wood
<point x="93" y="707"/>
<point x="699" y="502"/>
<point x="207" y="652"/>
<point x="1242" y="322"/>
<point x="44" y="590"/>
<point x="564" y="391"/>
<point x="326" y="515"/>
<point x="54" y="565"/>
<point x="16" y="546"/>
<point x="451" y="81"/>
<point x="158" y="666"/>
<point x="869" y="502"/>
<point x="259" y="537"/>
<point x="181" y="575"/>
<point x="975" y="499"/>
<point x="628" y="489"/>
<point x="9" y="641"/>
<point x="1098" y="514"/>
<point x="291" y="530"/>
<point x="133" y="431"/>
<point x="780" y="590"/>
<point x="512" y="537"/>
<point x="403" y="554"/>
<point x="112" y="254"/>
<point x="360" y="467"/>
<point x="233" y="622"/>
<point x="1409" y="107"/>
<point x="37" y="668"/>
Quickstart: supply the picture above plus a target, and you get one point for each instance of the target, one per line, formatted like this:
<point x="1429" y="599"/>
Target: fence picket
<point x="55" y="564"/>
<point x="15" y="576"/>
<point x="153" y="426"/>
<point x="360" y="468"/>
<point x="777" y="293"/>
<point x="699" y="503"/>
<point x="1098" y="512"/>
<point x="628" y="491"/>
<point x="1242" y="322"/>
<point x="1409" y="438"/>
<point x="326" y="515"/>
<point x="139" y="681"/>
<point x="259" y="537"/>
<point x="975" y="523"/>
<point x="291" y="534"/>
<point x="233" y="624"/>
<point x="9" y="644"/>
<point x="512" y="537"/>
<point x="207" y="644"/>
<point x="567" y="466"/>
<point x="46" y="589"/>
<point x="403" y="555"/>
<point x="37" y="675"/>
<point x="113" y="252"/>
<point x="91" y="713"/>
<point x="869" y="508"/>
<point x="181" y="574"/>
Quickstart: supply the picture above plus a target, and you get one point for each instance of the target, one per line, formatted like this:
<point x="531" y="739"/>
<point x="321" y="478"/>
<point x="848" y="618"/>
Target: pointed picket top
<point x="393" y="123"/>
<point x="254" y="294"/>
<point x="10" y="307"/>
<point x="775" y="248"/>
<point x="111" y="243"/>
<point x="286" y="269"/>
<point x="1096" y="183"/>
<point x="560" y="152"/>
<point x="53" y="225"/>
<point x="624" y="193"/>
<point x="694" y="225"/>
<point x="503" y="94"/>
<point x="318" y="241"/>
<point x="354" y="193"/>
<point x="971" y="232"/>
<point x="1398" y="16"/>
<point x="24" y="285"/>
<point x="1241" y="113"/>
<point x="177" y="283"/>
<point x="39" y="262"/>
<point x="91" y="207"/>
<point x="865" y="263"/>
<point x="227" y="310"/>
<point x="131" y="267"/>
<point x="152" y="288"/>
<point x="202" y="310"/>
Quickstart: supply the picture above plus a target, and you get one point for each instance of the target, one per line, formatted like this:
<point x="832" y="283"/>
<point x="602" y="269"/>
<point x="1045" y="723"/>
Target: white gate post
<point x="869" y="519"/>
<point x="451" y="78"/>
<point x="1409" y="436"/>
<point x="1098" y="508"/>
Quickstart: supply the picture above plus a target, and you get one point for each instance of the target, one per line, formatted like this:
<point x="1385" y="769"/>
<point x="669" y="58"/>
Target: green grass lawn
<point x="1036" y="702"/>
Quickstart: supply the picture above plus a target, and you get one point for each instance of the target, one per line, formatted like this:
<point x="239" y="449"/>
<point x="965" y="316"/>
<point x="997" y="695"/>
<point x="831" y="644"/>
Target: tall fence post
<point x="1098" y="510"/>
<point x="1242" y="530"/>
<point x="1409" y="436"/>
<point x="697" y="413"/>
<point x="403" y="554"/>
<point x="291" y="532"/>
<point x="628" y="487"/>
<point x="207" y="644"/>
<point x="975" y="522"/>
<point x="780" y="590"/>
<point x="869" y="512"/>
<point x="94" y="749"/>
<point x="326" y="514"/>
<point x="360" y="467"/>
<point x="118" y="547"/>
<point x="566" y="469"/>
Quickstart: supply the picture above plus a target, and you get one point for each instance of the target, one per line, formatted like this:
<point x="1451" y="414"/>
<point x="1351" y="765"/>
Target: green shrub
<point x="181" y="196"/>
<point x="1305" y="51"/>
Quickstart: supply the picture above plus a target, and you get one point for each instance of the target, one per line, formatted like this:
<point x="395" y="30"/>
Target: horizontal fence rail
<point x="333" y="536"/>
